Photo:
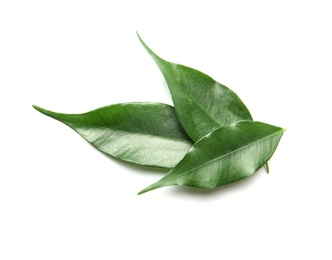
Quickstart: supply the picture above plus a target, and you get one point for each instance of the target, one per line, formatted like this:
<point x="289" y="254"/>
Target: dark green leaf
<point x="201" y="104"/>
<point x="143" y="133"/>
<point x="226" y="155"/>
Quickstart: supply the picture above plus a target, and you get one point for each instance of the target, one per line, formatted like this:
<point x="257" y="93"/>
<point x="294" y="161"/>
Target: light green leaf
<point x="226" y="155"/>
<point x="143" y="133"/>
<point x="201" y="104"/>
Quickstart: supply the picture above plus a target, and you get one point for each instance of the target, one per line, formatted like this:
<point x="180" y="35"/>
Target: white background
<point x="62" y="199"/>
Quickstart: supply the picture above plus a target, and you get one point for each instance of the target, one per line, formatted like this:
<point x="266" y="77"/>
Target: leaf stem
<point x="267" y="167"/>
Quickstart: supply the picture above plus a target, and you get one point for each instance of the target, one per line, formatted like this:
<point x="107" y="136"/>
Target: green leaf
<point x="226" y="155"/>
<point x="143" y="133"/>
<point x="201" y="104"/>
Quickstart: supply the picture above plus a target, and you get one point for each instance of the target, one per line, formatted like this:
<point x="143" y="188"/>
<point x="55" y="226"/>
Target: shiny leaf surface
<point x="226" y="155"/>
<point x="201" y="104"/>
<point x="143" y="133"/>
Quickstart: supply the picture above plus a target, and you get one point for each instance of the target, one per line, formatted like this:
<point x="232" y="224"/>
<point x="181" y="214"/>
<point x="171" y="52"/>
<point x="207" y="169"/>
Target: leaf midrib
<point x="133" y="133"/>
<point x="220" y="157"/>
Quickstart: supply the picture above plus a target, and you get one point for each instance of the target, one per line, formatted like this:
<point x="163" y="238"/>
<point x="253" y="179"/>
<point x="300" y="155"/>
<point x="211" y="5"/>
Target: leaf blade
<point x="143" y="133"/>
<point x="201" y="104"/>
<point x="226" y="155"/>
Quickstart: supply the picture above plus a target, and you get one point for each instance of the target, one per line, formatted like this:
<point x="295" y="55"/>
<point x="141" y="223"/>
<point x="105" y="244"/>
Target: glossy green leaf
<point x="143" y="133"/>
<point x="201" y="104"/>
<point x="226" y="155"/>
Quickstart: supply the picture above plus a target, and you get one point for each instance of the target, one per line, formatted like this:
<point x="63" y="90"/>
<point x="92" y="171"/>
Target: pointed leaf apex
<point x="156" y="58"/>
<point x="54" y="115"/>
<point x="153" y="186"/>
<point x="36" y="107"/>
<point x="41" y="110"/>
<point x="149" y="188"/>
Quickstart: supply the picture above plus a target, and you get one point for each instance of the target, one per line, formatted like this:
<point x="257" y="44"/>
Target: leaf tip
<point x="42" y="110"/>
<point x="146" y="190"/>
<point x="46" y="112"/>
<point x="141" y="40"/>
<point x="141" y="192"/>
<point x="156" y="58"/>
<point x="153" y="186"/>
